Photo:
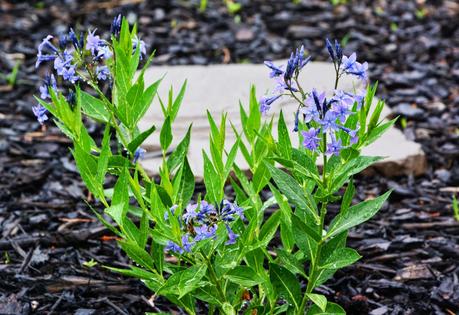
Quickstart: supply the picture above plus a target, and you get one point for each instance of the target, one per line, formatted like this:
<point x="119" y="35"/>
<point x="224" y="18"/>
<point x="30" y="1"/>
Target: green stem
<point x="213" y="277"/>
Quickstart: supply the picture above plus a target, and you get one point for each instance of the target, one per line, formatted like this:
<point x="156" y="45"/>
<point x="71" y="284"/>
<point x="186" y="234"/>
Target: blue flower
<point x="348" y="62"/>
<point x="360" y="70"/>
<point x="93" y="42"/>
<point x="69" y="74"/>
<point x="311" y="139"/>
<point x="49" y="81"/>
<point x="301" y="58"/>
<point x="71" y="98"/>
<point x="330" y="49"/>
<point x="172" y="210"/>
<point x="359" y="97"/>
<point x="77" y="43"/>
<point x="63" y="41"/>
<point x="313" y="106"/>
<point x="104" y="52"/>
<point x="341" y="104"/>
<point x="174" y="247"/>
<point x="40" y="112"/>
<point x="275" y="70"/>
<point x="334" y="147"/>
<point x="329" y="121"/>
<point x="102" y="72"/>
<point x="297" y="121"/>
<point x="190" y="213"/>
<point x="336" y="54"/>
<point x="205" y="232"/>
<point x="116" y="26"/>
<point x="266" y="101"/>
<point x="231" y="236"/>
<point x="231" y="211"/>
<point x="136" y="41"/>
<point x="46" y="45"/>
<point x="205" y="210"/>
<point x="138" y="154"/>
<point x="62" y="61"/>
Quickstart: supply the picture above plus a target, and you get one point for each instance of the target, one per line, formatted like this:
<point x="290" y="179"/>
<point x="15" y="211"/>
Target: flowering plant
<point x="212" y="249"/>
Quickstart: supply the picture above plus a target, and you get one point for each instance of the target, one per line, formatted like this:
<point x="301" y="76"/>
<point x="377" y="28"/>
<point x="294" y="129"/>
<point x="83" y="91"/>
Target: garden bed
<point x="410" y="252"/>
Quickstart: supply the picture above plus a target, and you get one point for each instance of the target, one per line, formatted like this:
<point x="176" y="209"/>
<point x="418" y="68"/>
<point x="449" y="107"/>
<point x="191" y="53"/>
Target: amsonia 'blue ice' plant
<point x="215" y="252"/>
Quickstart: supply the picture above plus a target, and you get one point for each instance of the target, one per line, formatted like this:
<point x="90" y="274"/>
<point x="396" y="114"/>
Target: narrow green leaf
<point x="269" y="228"/>
<point x="285" y="145"/>
<point x="145" y="102"/>
<point x="244" y="276"/>
<point x="137" y="254"/>
<point x="165" y="137"/>
<point x="331" y="309"/>
<point x="319" y="300"/>
<point x="94" y="107"/>
<point x="178" y="101"/>
<point x="285" y="284"/>
<point x="87" y="166"/>
<point x="356" y="215"/>
<point x="305" y="238"/>
<point x="137" y="142"/>
<point x="293" y="191"/>
<point x="212" y="181"/>
<point x="341" y="258"/>
<point x="105" y="153"/>
<point x="178" y="155"/>
<point x="184" y="282"/>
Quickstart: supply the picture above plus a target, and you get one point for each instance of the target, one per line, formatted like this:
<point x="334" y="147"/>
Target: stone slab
<point x="220" y="88"/>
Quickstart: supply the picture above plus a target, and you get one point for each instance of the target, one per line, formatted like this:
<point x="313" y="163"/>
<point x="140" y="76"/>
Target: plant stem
<point x="213" y="277"/>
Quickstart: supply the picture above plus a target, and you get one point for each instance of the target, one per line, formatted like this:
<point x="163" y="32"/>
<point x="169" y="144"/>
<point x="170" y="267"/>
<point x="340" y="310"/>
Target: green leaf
<point x="285" y="146"/>
<point x="186" y="189"/>
<point x="178" y="101"/>
<point x="289" y="261"/>
<point x="350" y="168"/>
<point x="341" y="258"/>
<point x="165" y="137"/>
<point x="134" y="144"/>
<point x="184" y="282"/>
<point x="178" y="155"/>
<point x="356" y="214"/>
<point x="87" y="167"/>
<point x="212" y="181"/>
<point x="228" y="309"/>
<point x="105" y="153"/>
<point x="94" y="107"/>
<point x="269" y="228"/>
<point x="254" y="120"/>
<point x="285" y="284"/>
<point x="332" y="309"/>
<point x="244" y="276"/>
<point x="319" y="300"/>
<point x="139" y="273"/>
<point x="348" y="195"/>
<point x="293" y="191"/>
<point x="146" y="99"/>
<point x="137" y="254"/>
<point x="286" y="219"/>
<point x="117" y="212"/>
<point x="305" y="238"/>
<point x="379" y="130"/>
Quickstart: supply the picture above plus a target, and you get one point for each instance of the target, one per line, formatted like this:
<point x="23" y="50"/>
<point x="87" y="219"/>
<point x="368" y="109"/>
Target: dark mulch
<point x="411" y="251"/>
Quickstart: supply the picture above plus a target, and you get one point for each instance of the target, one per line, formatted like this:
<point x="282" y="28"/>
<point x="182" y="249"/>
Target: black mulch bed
<point x="411" y="251"/>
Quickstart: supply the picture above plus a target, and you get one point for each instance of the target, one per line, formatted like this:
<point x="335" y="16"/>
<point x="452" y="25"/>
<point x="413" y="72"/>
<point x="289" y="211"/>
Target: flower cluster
<point x="77" y="58"/>
<point x="324" y="117"/>
<point x="200" y="222"/>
